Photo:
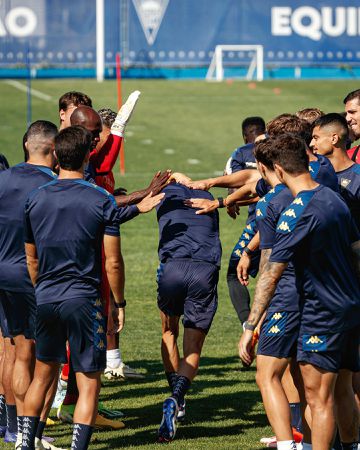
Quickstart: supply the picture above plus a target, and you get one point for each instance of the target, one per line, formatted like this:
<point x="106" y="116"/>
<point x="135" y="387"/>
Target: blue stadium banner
<point x="179" y="32"/>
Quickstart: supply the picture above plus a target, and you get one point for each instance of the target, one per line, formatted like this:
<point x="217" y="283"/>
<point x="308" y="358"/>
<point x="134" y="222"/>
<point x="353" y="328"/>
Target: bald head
<point x="89" y="119"/>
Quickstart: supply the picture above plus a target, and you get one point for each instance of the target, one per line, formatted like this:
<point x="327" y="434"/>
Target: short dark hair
<point x="352" y="95"/>
<point x="41" y="128"/>
<point x="71" y="146"/>
<point x="252" y="127"/>
<point x="333" y="119"/>
<point x="289" y="123"/>
<point x="289" y="151"/>
<point x="26" y="153"/>
<point x="107" y="116"/>
<point x="74" y="98"/>
<point x="310" y="114"/>
<point x="263" y="153"/>
<point x="3" y="162"/>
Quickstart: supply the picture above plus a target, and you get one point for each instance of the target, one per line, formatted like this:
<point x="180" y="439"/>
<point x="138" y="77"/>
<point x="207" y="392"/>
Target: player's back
<point x="319" y="227"/>
<point x="241" y="158"/>
<point x="67" y="219"/>
<point x="183" y="234"/>
<point x="15" y="185"/>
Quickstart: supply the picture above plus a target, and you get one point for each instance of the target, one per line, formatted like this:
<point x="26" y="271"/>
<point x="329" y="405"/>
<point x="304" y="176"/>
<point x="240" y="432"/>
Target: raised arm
<point x="233" y="180"/>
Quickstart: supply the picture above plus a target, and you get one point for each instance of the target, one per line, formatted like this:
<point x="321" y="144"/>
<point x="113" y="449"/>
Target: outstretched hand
<point x="245" y="347"/>
<point x="203" y="185"/>
<point x="203" y="205"/>
<point x="243" y="268"/>
<point x="159" y="181"/>
<point x="149" y="202"/>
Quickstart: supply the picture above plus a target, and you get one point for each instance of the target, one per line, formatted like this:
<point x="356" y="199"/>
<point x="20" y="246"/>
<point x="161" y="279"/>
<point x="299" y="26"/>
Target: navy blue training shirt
<point x="241" y="158"/>
<point x="184" y="234"/>
<point x="66" y="219"/>
<point x="15" y="185"/>
<point x="315" y="232"/>
<point x="349" y="185"/>
<point x="268" y="211"/>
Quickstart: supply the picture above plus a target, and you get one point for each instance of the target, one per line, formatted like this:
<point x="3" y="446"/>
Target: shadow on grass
<point x="220" y="414"/>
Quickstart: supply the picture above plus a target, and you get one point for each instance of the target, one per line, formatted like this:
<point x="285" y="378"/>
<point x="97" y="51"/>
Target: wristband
<point x="221" y="202"/>
<point x="248" y="326"/>
<point x="248" y="251"/>
<point x="120" y="305"/>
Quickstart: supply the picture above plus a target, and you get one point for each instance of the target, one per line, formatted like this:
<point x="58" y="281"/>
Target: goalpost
<point x="256" y="53"/>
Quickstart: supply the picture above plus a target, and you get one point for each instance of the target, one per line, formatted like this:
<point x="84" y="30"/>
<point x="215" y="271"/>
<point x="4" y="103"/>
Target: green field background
<point x="201" y="123"/>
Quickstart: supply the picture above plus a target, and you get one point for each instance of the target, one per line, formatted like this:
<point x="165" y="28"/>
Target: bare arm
<point x="265" y="288"/>
<point x="246" y="192"/>
<point x="115" y="270"/>
<point x="158" y="182"/>
<point x="32" y="262"/>
<point x="233" y="180"/>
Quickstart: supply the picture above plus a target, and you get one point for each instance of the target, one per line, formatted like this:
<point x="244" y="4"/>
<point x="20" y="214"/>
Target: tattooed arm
<point x="265" y="288"/>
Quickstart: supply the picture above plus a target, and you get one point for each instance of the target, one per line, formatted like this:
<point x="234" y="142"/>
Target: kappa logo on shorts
<point x="276" y="324"/>
<point x="274" y="330"/>
<point x="314" y="343"/>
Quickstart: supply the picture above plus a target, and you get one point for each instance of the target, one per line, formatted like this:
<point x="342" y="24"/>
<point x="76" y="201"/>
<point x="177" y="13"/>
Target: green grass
<point x="198" y="121"/>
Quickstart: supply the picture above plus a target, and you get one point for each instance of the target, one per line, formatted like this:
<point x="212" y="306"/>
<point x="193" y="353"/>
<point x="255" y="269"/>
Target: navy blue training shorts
<point x="81" y="322"/>
<point x="279" y="334"/>
<point x="188" y="288"/>
<point x="18" y="314"/>
<point x="331" y="352"/>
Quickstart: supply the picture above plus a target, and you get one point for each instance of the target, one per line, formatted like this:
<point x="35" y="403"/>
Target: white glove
<point x="123" y="116"/>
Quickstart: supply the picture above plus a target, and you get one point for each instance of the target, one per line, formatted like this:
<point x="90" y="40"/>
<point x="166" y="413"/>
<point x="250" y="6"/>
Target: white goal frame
<point x="256" y="63"/>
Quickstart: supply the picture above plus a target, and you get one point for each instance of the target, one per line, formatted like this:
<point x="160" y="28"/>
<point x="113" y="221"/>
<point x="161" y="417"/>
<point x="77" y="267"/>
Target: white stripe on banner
<point x="23" y="88"/>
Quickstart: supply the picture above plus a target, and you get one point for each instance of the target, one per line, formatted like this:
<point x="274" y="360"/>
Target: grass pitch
<point x="188" y="126"/>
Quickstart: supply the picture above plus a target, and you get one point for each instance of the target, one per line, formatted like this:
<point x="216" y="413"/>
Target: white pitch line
<point x="23" y="88"/>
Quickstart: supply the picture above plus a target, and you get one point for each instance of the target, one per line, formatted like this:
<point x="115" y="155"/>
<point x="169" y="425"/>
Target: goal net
<point x="234" y="56"/>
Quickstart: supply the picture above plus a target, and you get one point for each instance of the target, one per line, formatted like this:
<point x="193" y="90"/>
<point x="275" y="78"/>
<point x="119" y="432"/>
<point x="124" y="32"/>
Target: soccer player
<point x="309" y="114"/>
<point x="317" y="234"/>
<point x="66" y="221"/>
<point x="68" y="102"/>
<point x="16" y="290"/>
<point x="329" y="138"/>
<point x="189" y="253"/>
<point x="243" y="158"/>
<point x="352" y="109"/>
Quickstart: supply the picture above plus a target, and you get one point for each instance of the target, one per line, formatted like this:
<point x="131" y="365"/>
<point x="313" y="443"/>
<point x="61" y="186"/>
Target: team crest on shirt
<point x="284" y="226"/>
<point x="314" y="343"/>
<point x="344" y="182"/>
<point x="290" y="212"/>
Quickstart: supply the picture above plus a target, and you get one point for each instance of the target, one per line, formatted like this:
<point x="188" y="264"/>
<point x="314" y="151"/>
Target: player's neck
<point x="70" y="174"/>
<point x="298" y="183"/>
<point x="340" y="160"/>
<point x="40" y="161"/>
<point x="311" y="155"/>
<point x="272" y="179"/>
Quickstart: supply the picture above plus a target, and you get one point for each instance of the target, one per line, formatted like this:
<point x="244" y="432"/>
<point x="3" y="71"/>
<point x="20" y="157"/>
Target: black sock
<point x="30" y="425"/>
<point x="3" y="415"/>
<point x="295" y="411"/>
<point x="239" y="295"/>
<point x="20" y="424"/>
<point x="81" y="436"/>
<point x="40" y="429"/>
<point x="171" y="377"/>
<point x="11" y="418"/>
<point x="181" y="388"/>
<point x="349" y="446"/>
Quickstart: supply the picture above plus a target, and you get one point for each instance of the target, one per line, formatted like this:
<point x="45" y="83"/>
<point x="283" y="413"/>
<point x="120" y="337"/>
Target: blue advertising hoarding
<point x="164" y="33"/>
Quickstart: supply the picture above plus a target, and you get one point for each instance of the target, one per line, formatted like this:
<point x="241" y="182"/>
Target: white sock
<point x="113" y="358"/>
<point x="286" y="445"/>
<point x="306" y="446"/>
